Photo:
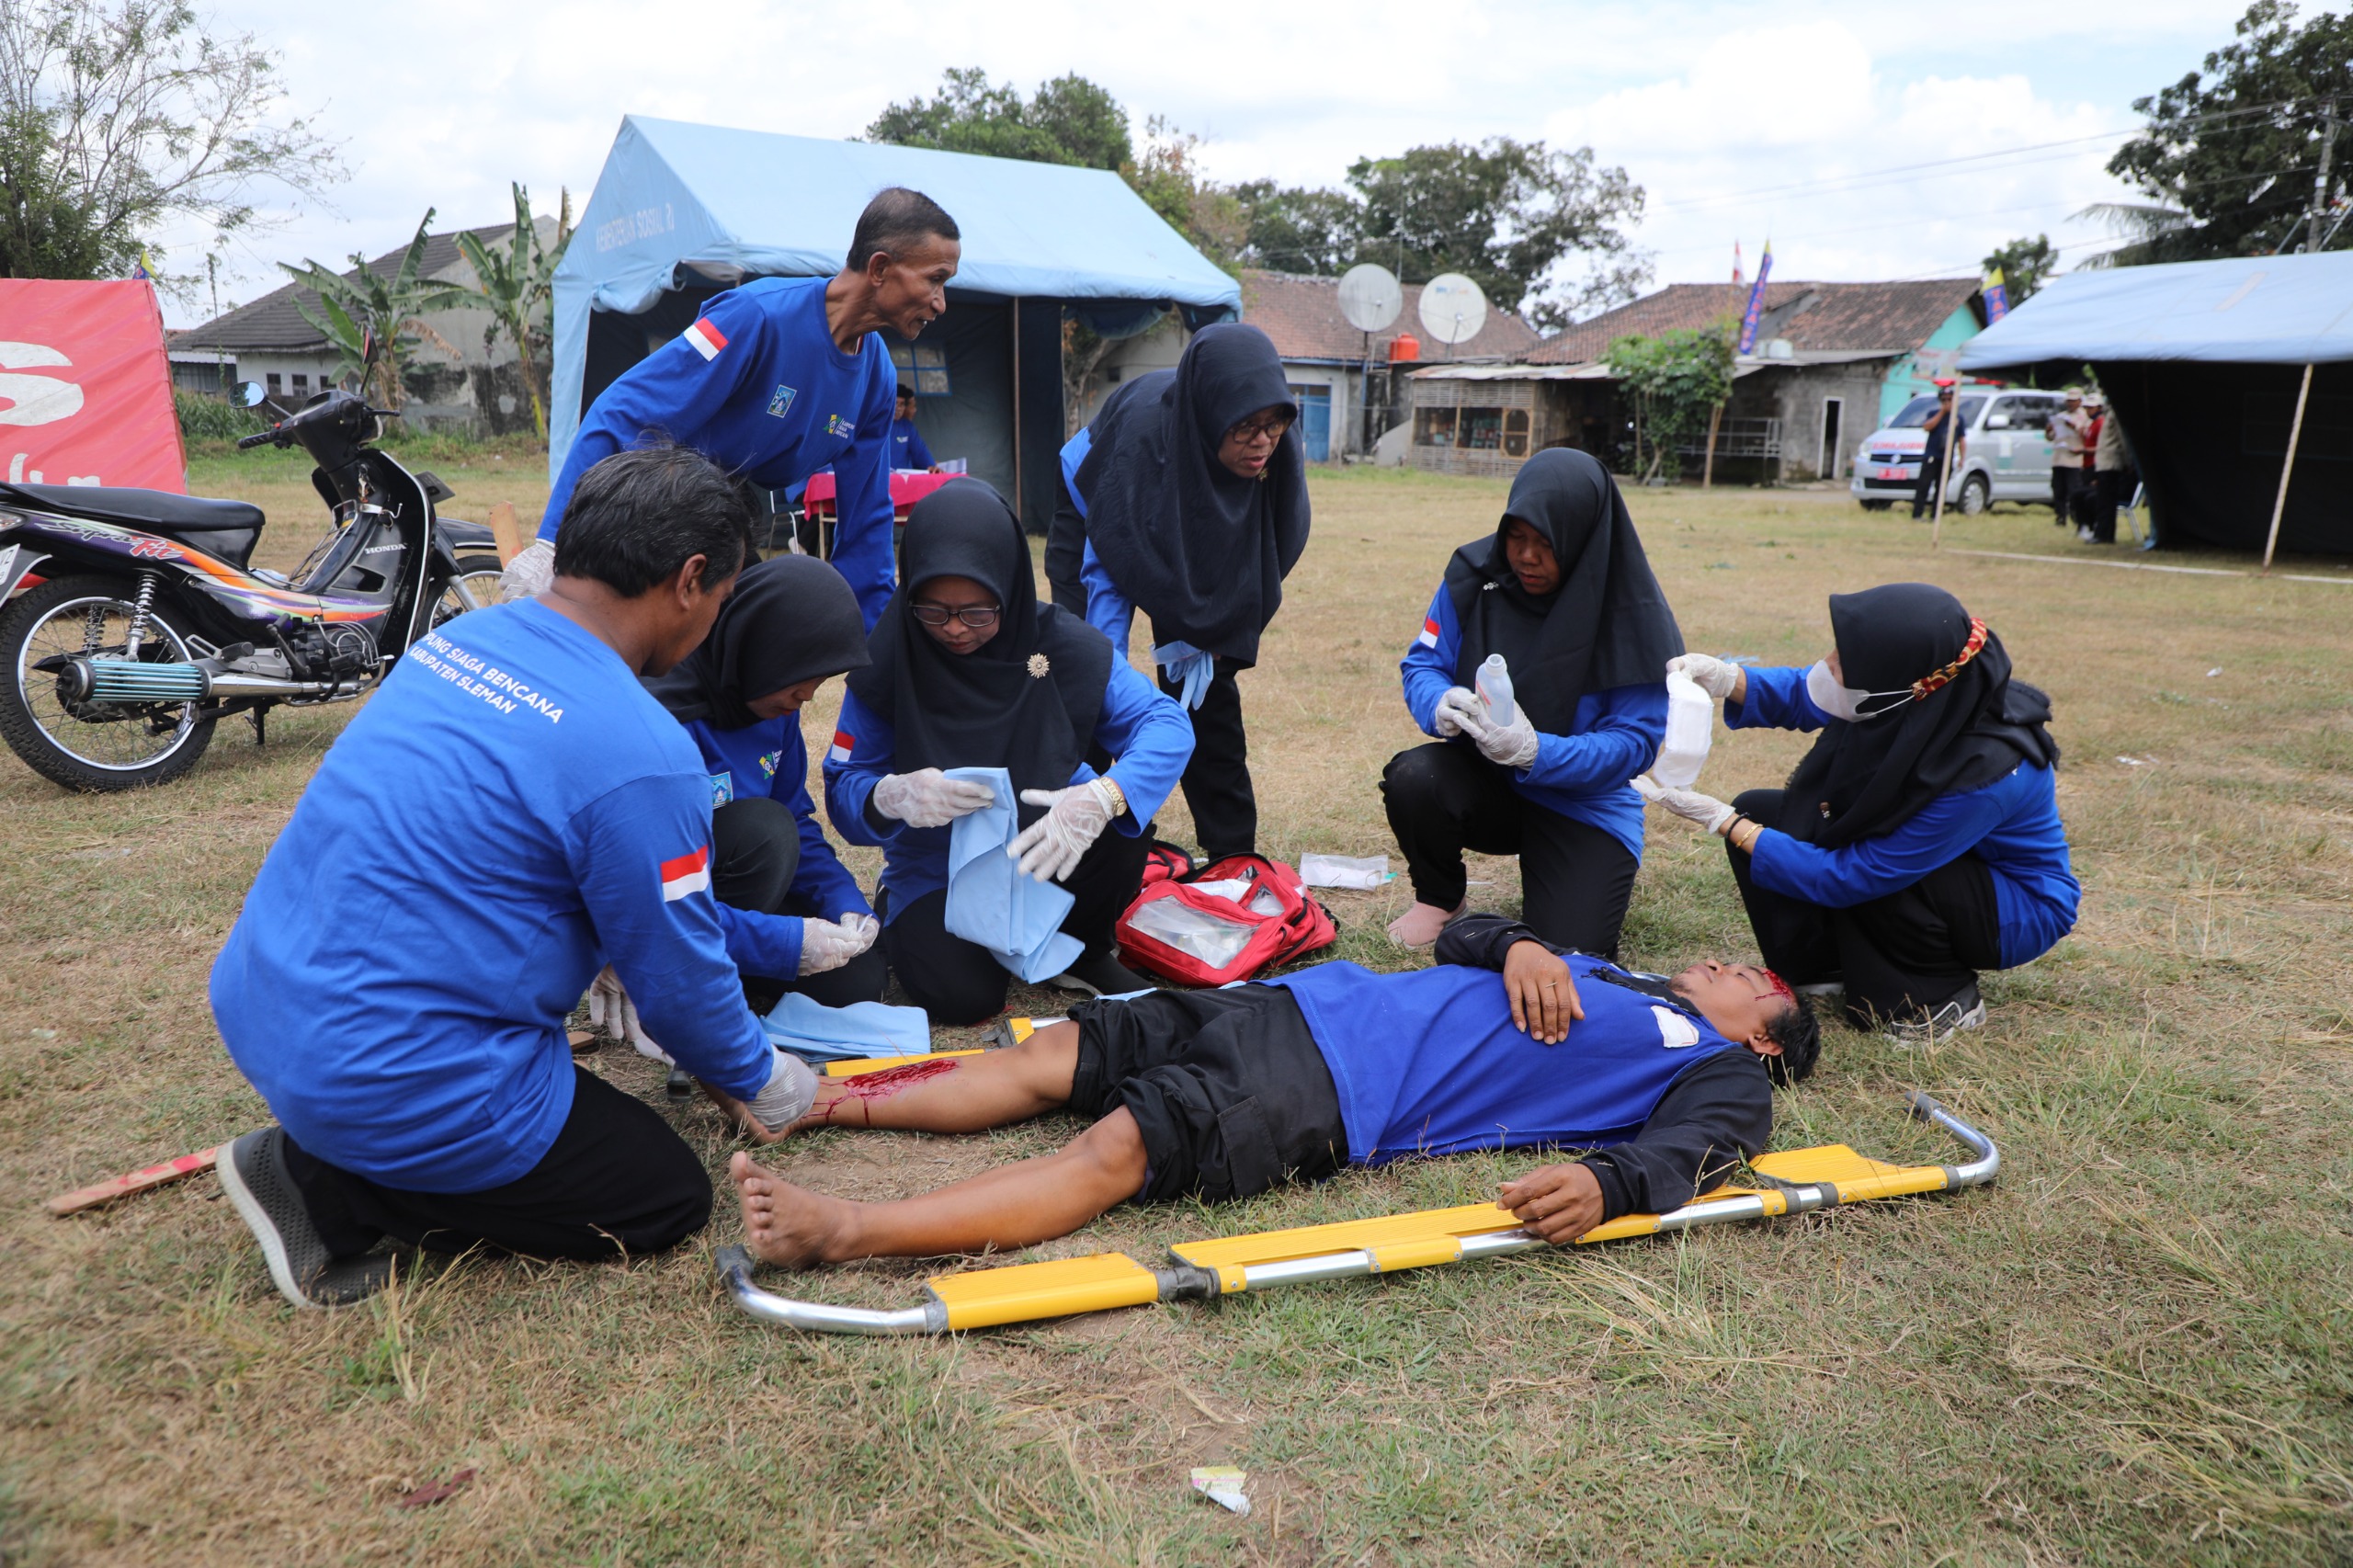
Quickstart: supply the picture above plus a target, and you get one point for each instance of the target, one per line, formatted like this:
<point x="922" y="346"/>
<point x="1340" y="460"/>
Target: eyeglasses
<point x="980" y="618"/>
<point x="1251" y="432"/>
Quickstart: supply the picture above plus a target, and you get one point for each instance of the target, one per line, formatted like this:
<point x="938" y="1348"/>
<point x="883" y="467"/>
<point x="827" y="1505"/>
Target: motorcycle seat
<point x="157" y="511"/>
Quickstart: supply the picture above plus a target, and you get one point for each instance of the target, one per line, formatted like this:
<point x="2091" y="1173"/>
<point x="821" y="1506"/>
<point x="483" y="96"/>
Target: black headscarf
<point x="1024" y="700"/>
<point x="788" y="620"/>
<point x="1607" y="625"/>
<point x="1872" y="775"/>
<point x="1199" y="549"/>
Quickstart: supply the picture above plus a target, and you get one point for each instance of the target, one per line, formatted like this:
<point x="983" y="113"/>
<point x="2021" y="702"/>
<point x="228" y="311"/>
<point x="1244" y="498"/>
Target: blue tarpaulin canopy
<point x="2216" y="371"/>
<point x="2272" y="310"/>
<point x="683" y="210"/>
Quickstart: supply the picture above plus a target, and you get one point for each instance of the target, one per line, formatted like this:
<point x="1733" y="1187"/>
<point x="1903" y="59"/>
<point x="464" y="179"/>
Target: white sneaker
<point x="1938" y="1027"/>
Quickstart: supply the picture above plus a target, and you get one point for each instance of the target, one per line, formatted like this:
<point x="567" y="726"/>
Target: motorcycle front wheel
<point x="97" y="747"/>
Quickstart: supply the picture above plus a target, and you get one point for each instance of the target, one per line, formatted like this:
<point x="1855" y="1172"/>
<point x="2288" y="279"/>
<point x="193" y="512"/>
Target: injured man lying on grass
<point x="1224" y="1094"/>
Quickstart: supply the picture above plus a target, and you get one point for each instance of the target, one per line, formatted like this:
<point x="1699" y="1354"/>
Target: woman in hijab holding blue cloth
<point x="1187" y="498"/>
<point x="1562" y="592"/>
<point x="970" y="671"/>
<point x="1919" y="841"/>
<point x="793" y="915"/>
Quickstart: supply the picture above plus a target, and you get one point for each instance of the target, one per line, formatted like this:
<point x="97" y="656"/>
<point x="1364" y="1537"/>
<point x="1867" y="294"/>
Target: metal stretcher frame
<point x="1823" y="1178"/>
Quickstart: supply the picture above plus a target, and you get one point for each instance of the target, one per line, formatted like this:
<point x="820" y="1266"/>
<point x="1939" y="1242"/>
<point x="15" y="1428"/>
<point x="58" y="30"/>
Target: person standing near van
<point x="2068" y="429"/>
<point x="2111" y="477"/>
<point x="1944" y="436"/>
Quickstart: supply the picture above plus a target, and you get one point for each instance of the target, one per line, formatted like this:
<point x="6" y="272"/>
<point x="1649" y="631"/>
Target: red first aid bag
<point x="1231" y="919"/>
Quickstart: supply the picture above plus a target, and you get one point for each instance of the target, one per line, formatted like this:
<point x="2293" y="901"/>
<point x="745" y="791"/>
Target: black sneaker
<point x="257" y="1182"/>
<point x="680" y="1085"/>
<point x="1100" y="976"/>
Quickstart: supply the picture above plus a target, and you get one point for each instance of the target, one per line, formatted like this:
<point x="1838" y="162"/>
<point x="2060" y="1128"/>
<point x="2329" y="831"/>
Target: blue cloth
<point x="758" y="385"/>
<point x="1188" y="668"/>
<point x="1428" y="1062"/>
<point x="816" y="1033"/>
<point x="768" y="758"/>
<point x="398" y="997"/>
<point x="1018" y="918"/>
<point x="1583" y="775"/>
<point x="2012" y="824"/>
<point x="1147" y="733"/>
<point x="907" y="449"/>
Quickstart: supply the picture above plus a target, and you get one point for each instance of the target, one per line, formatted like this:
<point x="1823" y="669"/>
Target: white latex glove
<point x="1459" y="713"/>
<point x="610" y="1009"/>
<point x="1709" y="673"/>
<point x="1688" y="804"/>
<point x="824" y="945"/>
<point x="928" y="798"/>
<point x="1513" y="745"/>
<point x="792" y="1090"/>
<point x="1049" y="849"/>
<point x="528" y="575"/>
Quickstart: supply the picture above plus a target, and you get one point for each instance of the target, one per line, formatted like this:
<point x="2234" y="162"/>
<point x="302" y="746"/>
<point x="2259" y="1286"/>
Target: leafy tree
<point x="1301" y="229"/>
<point x="1505" y="213"/>
<point x="2025" y="266"/>
<point x="119" y="116"/>
<point x="518" y="286"/>
<point x="372" y="318"/>
<point x="1676" y="380"/>
<point x="2229" y="153"/>
<point x="1070" y="120"/>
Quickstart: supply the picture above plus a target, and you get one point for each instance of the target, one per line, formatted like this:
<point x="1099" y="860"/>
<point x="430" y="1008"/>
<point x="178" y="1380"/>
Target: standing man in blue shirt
<point x="399" y="997"/>
<point x="781" y="378"/>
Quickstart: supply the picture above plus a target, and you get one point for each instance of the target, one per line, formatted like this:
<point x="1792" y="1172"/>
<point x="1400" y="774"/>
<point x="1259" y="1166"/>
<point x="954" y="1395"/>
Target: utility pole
<point x="2320" y="180"/>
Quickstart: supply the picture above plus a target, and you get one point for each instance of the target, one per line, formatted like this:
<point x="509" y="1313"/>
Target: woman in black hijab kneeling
<point x="1919" y="841"/>
<point x="1562" y="592"/>
<point x="970" y="671"/>
<point x="1187" y="498"/>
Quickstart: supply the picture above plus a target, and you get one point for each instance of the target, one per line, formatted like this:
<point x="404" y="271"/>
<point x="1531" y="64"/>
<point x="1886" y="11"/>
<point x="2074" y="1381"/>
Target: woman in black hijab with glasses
<point x="1187" y="498"/>
<point x="1562" y="592"/>
<point x="970" y="671"/>
<point x="1919" y="841"/>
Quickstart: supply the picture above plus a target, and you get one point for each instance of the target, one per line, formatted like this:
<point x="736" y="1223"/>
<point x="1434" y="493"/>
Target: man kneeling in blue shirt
<point x="398" y="997"/>
<point x="1224" y="1094"/>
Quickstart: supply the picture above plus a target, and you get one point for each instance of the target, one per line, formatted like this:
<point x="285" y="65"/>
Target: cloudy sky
<point x="1739" y="120"/>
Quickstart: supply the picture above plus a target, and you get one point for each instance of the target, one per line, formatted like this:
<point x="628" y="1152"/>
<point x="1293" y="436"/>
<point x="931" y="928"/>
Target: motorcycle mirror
<point x="247" y="394"/>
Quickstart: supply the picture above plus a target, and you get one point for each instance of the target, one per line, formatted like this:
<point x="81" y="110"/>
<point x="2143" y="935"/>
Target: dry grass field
<point x="2132" y="1349"/>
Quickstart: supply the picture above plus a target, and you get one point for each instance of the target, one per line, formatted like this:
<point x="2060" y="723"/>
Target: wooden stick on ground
<point x="137" y="1181"/>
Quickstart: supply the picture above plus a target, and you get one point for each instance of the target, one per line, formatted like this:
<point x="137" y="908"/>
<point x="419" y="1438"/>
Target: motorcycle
<point x="146" y="623"/>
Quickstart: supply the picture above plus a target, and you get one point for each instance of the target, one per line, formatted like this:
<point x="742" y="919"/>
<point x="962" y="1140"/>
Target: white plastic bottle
<point x="1691" y="728"/>
<point x="1494" y="683"/>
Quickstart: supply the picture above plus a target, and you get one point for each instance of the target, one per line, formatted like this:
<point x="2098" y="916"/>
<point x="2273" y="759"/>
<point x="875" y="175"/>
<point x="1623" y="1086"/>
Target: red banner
<point x="85" y="388"/>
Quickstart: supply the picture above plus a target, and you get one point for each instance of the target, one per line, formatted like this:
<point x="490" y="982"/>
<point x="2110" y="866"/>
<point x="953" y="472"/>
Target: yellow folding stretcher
<point x="1797" y="1182"/>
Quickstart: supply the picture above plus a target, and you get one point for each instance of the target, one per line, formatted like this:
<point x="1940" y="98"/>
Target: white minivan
<point x="2008" y="456"/>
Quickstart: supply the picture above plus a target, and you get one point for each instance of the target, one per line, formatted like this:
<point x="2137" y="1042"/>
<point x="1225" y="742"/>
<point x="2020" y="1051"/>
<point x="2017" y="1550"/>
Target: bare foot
<point x="787" y="1225"/>
<point x="1420" y="925"/>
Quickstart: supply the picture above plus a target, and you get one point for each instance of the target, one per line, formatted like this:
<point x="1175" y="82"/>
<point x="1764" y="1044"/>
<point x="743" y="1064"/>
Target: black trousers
<point x="617" y="1181"/>
<point x="1217" y="778"/>
<point x="2107" y="495"/>
<point x="957" y="981"/>
<point x="1575" y="878"/>
<point x="1924" y="489"/>
<point x="1902" y="956"/>
<point x="2064" y="483"/>
<point x="754" y="854"/>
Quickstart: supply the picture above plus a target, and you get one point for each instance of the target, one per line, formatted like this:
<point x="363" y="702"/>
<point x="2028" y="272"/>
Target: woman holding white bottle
<point x="1562" y="592"/>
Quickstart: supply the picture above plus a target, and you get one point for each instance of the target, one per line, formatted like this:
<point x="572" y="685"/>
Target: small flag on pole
<point x="1738" y="277"/>
<point x="145" y="271"/>
<point x="1997" y="297"/>
<point x="1755" y="300"/>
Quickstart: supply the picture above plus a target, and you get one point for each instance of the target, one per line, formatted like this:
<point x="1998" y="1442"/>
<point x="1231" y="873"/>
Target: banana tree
<point x="372" y="319"/>
<point x="517" y="283"/>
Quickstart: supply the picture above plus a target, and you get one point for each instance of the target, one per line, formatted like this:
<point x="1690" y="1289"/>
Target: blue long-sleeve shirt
<point x="1147" y="734"/>
<point x="2012" y="824"/>
<point x="758" y="385"/>
<point x="1584" y="774"/>
<point x="397" y="995"/>
<point x="1108" y="610"/>
<point x="768" y="758"/>
<point x="907" y="449"/>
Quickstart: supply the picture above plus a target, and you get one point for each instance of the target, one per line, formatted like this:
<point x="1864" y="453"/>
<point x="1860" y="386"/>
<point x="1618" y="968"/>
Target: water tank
<point x="1405" y="348"/>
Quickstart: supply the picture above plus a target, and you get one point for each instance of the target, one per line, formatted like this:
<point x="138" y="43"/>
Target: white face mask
<point x="1841" y="701"/>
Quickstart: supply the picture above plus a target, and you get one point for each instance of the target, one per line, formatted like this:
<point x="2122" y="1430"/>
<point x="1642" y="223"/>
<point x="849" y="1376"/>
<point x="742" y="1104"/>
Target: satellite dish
<point x="1370" y="297"/>
<point x="1452" y="308"/>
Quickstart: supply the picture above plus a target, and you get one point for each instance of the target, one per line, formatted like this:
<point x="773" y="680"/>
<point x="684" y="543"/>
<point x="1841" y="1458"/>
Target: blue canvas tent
<point x="2205" y="364"/>
<point x="682" y="212"/>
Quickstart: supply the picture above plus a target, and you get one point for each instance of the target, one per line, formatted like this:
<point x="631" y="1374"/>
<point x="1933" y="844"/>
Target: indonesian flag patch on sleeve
<point x="707" y="337"/>
<point x="1428" y="639"/>
<point x="688" y="873"/>
<point x="844" y="744"/>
